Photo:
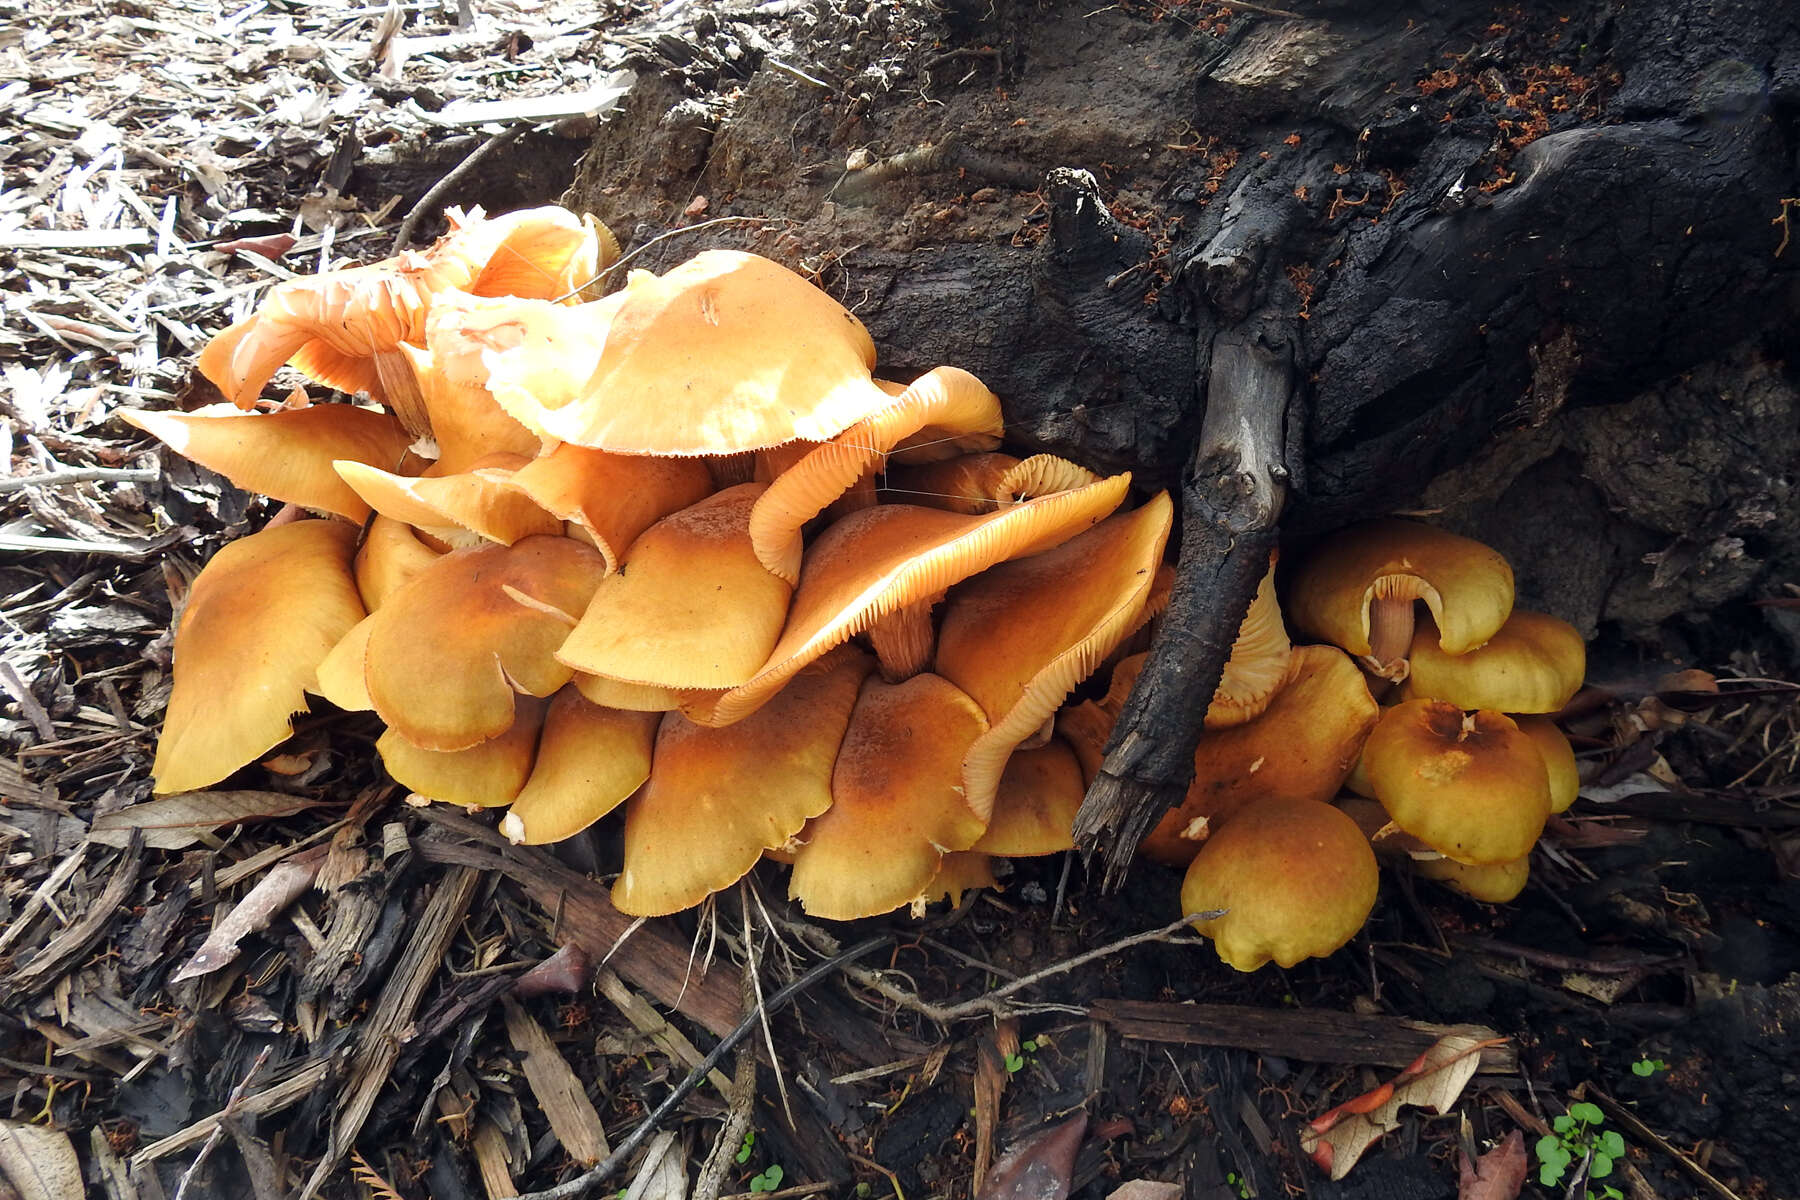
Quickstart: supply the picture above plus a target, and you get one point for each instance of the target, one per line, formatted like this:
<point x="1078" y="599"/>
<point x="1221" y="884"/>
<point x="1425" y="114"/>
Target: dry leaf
<point x="1434" y="1080"/>
<point x="279" y="888"/>
<point x="176" y="822"/>
<point x="1146" y="1189"/>
<point x="1039" y="1168"/>
<point x="38" y="1163"/>
<point x="1496" y="1175"/>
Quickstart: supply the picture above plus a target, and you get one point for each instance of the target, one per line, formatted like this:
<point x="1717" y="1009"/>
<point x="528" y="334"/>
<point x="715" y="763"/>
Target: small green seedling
<point x="1644" y="1068"/>
<point x="1238" y="1184"/>
<point x="1577" y="1135"/>
<point x="1016" y="1062"/>
<point x="768" y="1179"/>
<point x="748" y="1148"/>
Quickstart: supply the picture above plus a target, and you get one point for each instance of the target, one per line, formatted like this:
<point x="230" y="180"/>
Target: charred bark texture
<point x="1296" y="266"/>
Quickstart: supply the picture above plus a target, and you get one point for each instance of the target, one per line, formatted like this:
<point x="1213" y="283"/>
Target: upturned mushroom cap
<point x="1300" y="748"/>
<point x="259" y="619"/>
<point x="1559" y="760"/>
<point x="1534" y="664"/>
<point x="487" y="774"/>
<point x="968" y="483"/>
<point x="448" y="652"/>
<point x="447" y="505"/>
<point x="1467" y="586"/>
<point x="1034" y="809"/>
<point x="1470" y="786"/>
<point x="466" y="422"/>
<point x="284" y="455"/>
<point x="726" y="352"/>
<point x="589" y="760"/>
<point x="690" y="608"/>
<point x="885" y="558"/>
<point x="717" y="798"/>
<point x="1020" y="636"/>
<point x="613" y="497"/>
<point x="896" y="801"/>
<point x="1296" y="878"/>
<point x="1258" y="664"/>
<point x="948" y="399"/>
<point x="1491" y="883"/>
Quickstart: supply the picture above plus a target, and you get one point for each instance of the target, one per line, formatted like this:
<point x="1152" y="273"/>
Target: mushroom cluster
<point x="633" y="552"/>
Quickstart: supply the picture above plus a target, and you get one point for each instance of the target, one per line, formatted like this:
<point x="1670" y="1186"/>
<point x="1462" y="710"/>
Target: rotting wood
<point x="647" y="1021"/>
<point x="67" y="948"/>
<point x="1312" y="1035"/>
<point x="273" y="1099"/>
<point x="559" y="1092"/>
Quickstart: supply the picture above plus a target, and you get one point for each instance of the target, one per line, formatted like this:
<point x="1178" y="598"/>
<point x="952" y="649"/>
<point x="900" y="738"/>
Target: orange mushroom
<point x="486" y="775"/>
<point x="1534" y="664"/>
<point x="609" y="498"/>
<point x="1035" y="805"/>
<point x="589" y="760"/>
<point x="463" y="509"/>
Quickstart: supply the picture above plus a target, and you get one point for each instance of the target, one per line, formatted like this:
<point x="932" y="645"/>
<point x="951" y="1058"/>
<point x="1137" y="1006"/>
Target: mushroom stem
<point x="1390" y="627"/>
<point x="904" y="640"/>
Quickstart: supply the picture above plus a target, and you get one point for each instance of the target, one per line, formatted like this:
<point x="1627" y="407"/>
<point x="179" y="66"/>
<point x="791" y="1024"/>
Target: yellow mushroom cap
<point x="466" y="422"/>
<point x="446" y="505"/>
<point x="960" y="871"/>
<point x="1034" y="808"/>
<point x="717" y="798"/>
<point x="259" y="619"/>
<point x="284" y="455"/>
<point x="690" y="608"/>
<point x="613" y="497"/>
<point x="882" y="559"/>
<point x="488" y="774"/>
<point x="589" y="760"/>
<point x="1534" y="664"/>
<point x="1300" y="748"/>
<point x="1470" y="786"/>
<point x="1559" y="759"/>
<point x="1020" y="636"/>
<point x="341" y="676"/>
<point x="1467" y="586"/>
<point x="1491" y="883"/>
<point x="1296" y="877"/>
<point x="896" y="801"/>
<point x="1258" y="664"/>
<point x="390" y="556"/>
<point x="448" y="651"/>
<point x="725" y="353"/>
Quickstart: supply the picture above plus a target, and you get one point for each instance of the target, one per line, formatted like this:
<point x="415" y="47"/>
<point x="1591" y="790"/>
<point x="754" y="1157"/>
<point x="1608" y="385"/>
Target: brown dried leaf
<point x="1496" y="1175"/>
<point x="176" y="822"/>
<point x="1146" y="1189"/>
<point x="38" y="1163"/>
<point x="1042" y="1167"/>
<point x="1434" y="1080"/>
<point x="279" y="888"/>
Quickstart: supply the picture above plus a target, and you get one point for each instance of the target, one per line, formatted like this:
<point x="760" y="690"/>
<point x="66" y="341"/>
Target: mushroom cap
<point x="1559" y="759"/>
<point x="389" y="556"/>
<point x="613" y="497"/>
<point x="946" y="398"/>
<point x="589" y="760"/>
<point x="896" y="801"/>
<point x="466" y="422"/>
<point x="1020" y="636"/>
<point x="1297" y="880"/>
<point x="717" y="798"/>
<point x="690" y="608"/>
<point x="968" y="483"/>
<point x="1534" y="664"/>
<point x="1034" y="808"/>
<point x="259" y="619"/>
<point x="1467" y="586"/>
<point x="448" y="652"/>
<point x="1491" y="883"/>
<point x="1258" y="663"/>
<point x="960" y="871"/>
<point x="445" y="505"/>
<point x="1300" y="748"/>
<point x="488" y="774"/>
<point x="882" y="559"/>
<point x="726" y="352"/>
<point x="340" y="678"/>
<point x="1470" y="786"/>
<point x="284" y="455"/>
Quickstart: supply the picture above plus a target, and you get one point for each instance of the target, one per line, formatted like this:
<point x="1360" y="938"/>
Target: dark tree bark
<point x="1296" y="266"/>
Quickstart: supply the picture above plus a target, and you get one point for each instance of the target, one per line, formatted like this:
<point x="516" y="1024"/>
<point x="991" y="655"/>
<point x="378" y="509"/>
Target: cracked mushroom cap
<point x="258" y="620"/>
<point x="1034" y="809"/>
<point x="725" y="353"/>
<point x="947" y="399"/>
<point x="451" y="649"/>
<point x="896" y="801"/>
<point x="691" y="607"/>
<point x="589" y="760"/>
<point x="611" y="498"/>
<point x="1297" y="880"/>
<point x="285" y="455"/>
<point x="486" y="775"/>
<point x="343" y="328"/>
<point x="882" y="560"/>
<point x="1300" y="748"/>
<point x="463" y="509"/>
<point x="1258" y="664"/>
<point x="1469" y="785"/>
<point x="1020" y="636"/>
<point x="718" y="798"/>
<point x="1534" y="664"/>
<point x="1358" y="587"/>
